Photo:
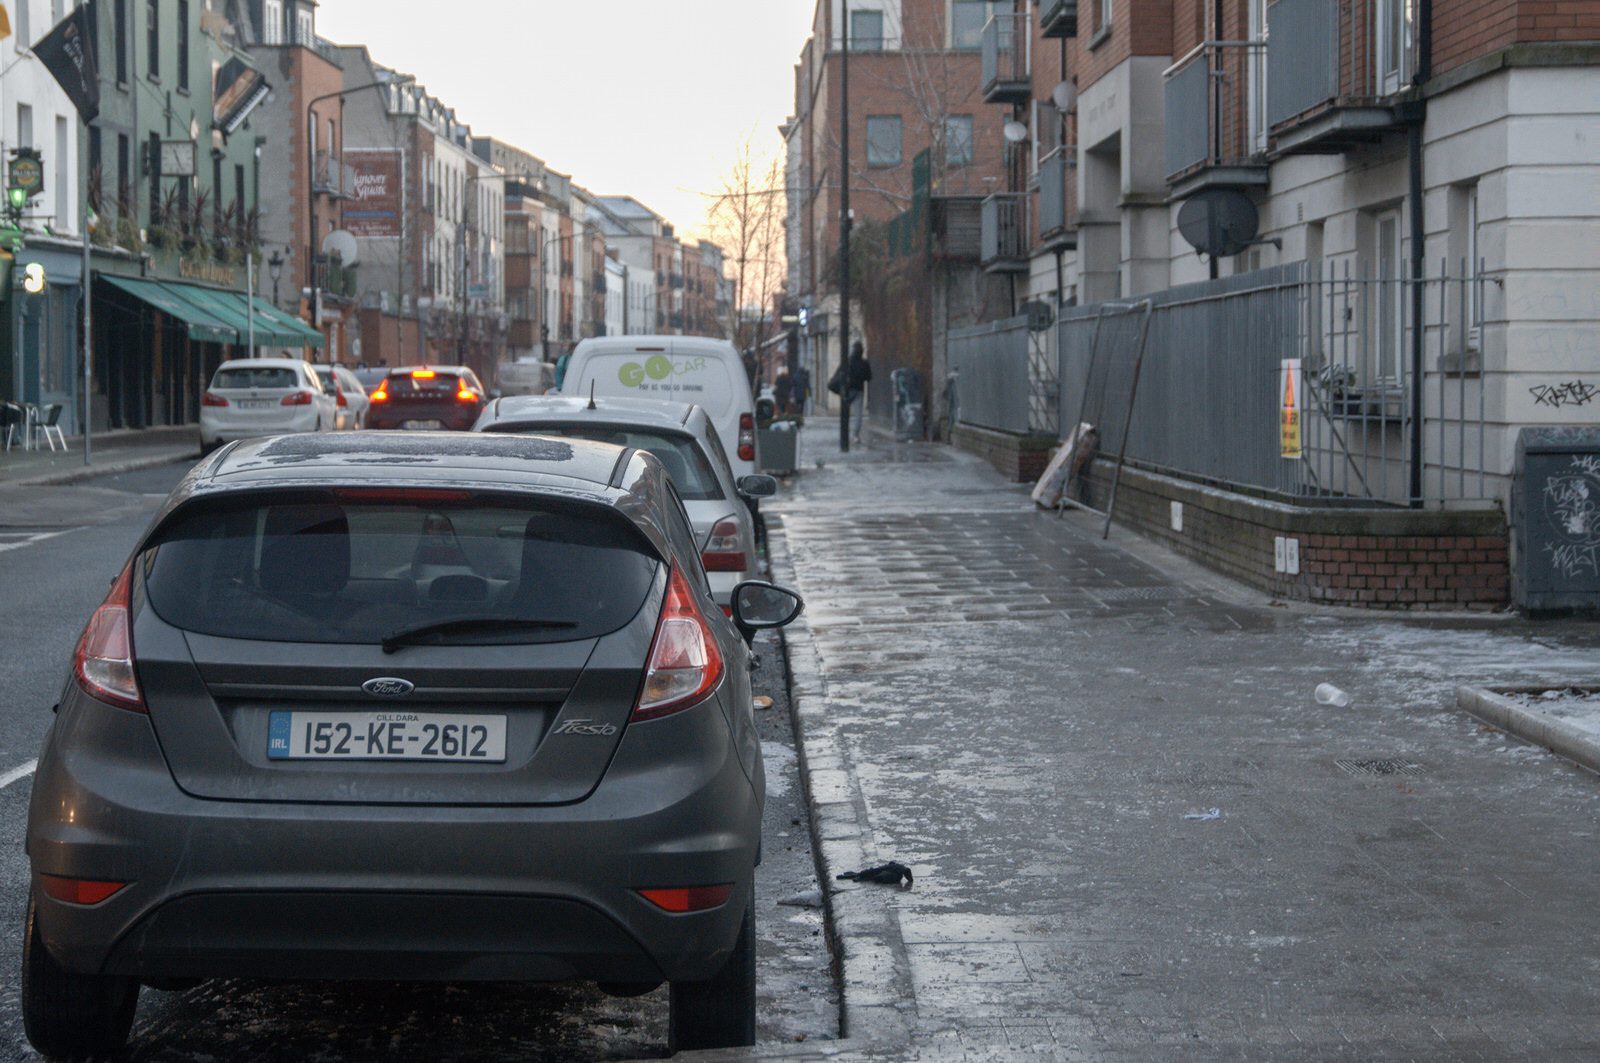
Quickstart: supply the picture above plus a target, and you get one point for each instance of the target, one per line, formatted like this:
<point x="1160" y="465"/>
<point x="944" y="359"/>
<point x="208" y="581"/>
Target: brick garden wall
<point x="1384" y="559"/>
<point x="1020" y="459"/>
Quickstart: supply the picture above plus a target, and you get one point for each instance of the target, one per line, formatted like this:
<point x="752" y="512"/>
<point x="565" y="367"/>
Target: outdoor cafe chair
<point x="46" y="422"/>
<point x="14" y="422"/>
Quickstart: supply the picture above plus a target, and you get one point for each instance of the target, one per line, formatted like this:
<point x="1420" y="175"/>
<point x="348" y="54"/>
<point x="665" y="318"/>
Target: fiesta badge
<point x="388" y="687"/>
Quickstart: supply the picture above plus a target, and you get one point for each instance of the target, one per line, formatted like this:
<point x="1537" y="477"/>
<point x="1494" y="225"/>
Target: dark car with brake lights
<point x="427" y="398"/>
<point x="404" y="706"/>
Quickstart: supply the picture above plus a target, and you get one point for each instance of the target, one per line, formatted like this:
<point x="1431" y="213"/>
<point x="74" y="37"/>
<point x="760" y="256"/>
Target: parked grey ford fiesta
<point x="427" y="706"/>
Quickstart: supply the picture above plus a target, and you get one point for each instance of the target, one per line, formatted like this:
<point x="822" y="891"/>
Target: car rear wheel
<point x="719" y="1012"/>
<point x="72" y="1015"/>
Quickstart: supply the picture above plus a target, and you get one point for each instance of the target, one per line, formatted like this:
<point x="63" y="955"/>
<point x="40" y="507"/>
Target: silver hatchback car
<point x="405" y="706"/>
<point x="683" y="438"/>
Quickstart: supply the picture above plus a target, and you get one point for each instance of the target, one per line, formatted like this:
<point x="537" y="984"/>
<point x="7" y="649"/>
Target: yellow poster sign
<point x="1289" y="410"/>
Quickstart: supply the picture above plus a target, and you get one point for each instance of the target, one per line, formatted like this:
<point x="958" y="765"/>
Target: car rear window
<point x="257" y="377"/>
<point x="350" y="568"/>
<point x="685" y="462"/>
<point x="440" y="383"/>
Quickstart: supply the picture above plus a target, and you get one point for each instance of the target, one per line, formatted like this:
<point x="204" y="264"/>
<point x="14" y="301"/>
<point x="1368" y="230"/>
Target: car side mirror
<point x="758" y="606"/>
<point x="757" y="485"/>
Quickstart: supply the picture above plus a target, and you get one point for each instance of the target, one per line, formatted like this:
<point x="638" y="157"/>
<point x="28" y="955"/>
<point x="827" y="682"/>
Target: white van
<point x="695" y="369"/>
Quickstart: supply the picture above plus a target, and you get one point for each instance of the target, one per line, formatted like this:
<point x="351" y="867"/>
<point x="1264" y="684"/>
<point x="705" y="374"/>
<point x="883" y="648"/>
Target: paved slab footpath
<point x="1032" y="718"/>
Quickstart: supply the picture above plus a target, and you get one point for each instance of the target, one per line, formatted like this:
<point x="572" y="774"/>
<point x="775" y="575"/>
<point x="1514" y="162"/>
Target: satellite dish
<point x="1219" y="221"/>
<point x="1065" y="97"/>
<point x="342" y="242"/>
<point x="1016" y="132"/>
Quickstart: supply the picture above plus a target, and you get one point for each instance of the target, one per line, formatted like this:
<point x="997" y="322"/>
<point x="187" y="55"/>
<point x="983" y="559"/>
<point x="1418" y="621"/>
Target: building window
<point x="24" y="126"/>
<point x="957" y="139"/>
<point x="153" y="38"/>
<point x="63" y="190"/>
<point x="182" y="54"/>
<point x="23" y="30"/>
<point x="124" y="176"/>
<point x="883" y="140"/>
<point x="1394" y="28"/>
<point x="866" y="31"/>
<point x="119" y="34"/>
<point x="272" y="23"/>
<point x="967" y="19"/>
<point x="307" y="35"/>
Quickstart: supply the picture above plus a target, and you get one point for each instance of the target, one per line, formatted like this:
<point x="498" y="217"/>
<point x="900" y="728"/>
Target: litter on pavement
<point x="1206" y="816"/>
<point x="888" y="874"/>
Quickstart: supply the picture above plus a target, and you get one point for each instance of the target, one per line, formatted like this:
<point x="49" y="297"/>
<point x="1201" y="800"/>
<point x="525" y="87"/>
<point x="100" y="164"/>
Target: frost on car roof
<point x="577" y="459"/>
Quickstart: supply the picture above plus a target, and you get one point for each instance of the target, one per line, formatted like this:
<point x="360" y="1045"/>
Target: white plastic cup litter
<point x="1328" y="694"/>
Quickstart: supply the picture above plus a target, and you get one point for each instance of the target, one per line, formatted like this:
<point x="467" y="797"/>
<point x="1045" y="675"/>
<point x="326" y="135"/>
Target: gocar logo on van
<point x="657" y="367"/>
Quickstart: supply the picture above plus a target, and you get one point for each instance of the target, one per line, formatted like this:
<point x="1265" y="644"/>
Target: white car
<point x="252" y="397"/>
<point x="683" y="439"/>
<point x="348" y="395"/>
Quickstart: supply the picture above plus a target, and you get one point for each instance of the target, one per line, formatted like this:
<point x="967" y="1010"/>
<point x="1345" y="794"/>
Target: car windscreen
<point x="348" y="567"/>
<point x="431" y="385"/>
<point x="257" y="376"/>
<point x="685" y="462"/>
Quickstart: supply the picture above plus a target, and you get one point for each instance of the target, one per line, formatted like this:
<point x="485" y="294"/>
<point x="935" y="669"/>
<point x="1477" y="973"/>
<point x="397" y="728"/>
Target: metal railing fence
<point x="1226" y="362"/>
<point x="1005" y="232"/>
<point x="1005" y="51"/>
<point x="992" y="363"/>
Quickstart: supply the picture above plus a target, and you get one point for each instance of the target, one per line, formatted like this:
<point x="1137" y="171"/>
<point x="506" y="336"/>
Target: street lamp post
<point x="844" y="236"/>
<point x="275" y="269"/>
<point x="311" y="188"/>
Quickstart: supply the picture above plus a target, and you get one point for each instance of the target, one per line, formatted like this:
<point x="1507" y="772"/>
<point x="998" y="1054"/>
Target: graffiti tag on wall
<point x="1572" y="507"/>
<point x="1572" y="393"/>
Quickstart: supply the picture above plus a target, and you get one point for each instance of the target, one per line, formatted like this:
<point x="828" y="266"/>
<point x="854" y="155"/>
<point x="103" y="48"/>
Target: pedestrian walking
<point x="801" y="383"/>
<point x="783" y="393"/>
<point x="859" y="374"/>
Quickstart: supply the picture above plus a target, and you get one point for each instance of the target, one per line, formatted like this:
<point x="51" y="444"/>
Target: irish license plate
<point x="256" y="404"/>
<point x="422" y="426"/>
<point x="386" y="736"/>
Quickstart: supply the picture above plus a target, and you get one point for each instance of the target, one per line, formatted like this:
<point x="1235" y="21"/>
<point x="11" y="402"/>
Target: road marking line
<point x="17" y="773"/>
<point x="38" y="538"/>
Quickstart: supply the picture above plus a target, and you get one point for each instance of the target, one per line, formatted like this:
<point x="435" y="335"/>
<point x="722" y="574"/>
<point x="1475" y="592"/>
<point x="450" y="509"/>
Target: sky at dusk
<point x="648" y="98"/>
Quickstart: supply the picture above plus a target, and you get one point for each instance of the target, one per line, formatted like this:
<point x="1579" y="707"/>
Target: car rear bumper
<point x="246" y="889"/>
<point x="214" y="429"/>
<point x="450" y="418"/>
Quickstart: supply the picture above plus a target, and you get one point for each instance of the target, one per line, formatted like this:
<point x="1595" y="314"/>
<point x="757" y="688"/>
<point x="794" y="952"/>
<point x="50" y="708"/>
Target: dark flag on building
<point x="67" y="53"/>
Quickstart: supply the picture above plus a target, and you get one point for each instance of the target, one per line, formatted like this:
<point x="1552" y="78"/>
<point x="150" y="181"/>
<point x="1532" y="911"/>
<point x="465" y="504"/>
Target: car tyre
<point x="67" y="1015"/>
<point x="719" y="1012"/>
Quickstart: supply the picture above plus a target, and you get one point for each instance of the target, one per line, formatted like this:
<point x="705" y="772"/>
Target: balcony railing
<point x="1005" y="233"/>
<point x="1059" y="18"/>
<point x="1333" y="66"/>
<point x="1216" y="114"/>
<point x="1006" y="77"/>
<point x="332" y="177"/>
<point x="1058" y="198"/>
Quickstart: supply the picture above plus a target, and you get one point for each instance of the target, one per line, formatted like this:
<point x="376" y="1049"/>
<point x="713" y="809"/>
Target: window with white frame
<point x="272" y="22"/>
<point x="1395" y="20"/>
<point x="883" y="140"/>
<point x="306" y="34"/>
<point x="957" y="139"/>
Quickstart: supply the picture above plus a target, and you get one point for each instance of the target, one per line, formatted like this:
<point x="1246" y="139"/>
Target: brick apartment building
<point x="1415" y="177"/>
<point x="914" y="89"/>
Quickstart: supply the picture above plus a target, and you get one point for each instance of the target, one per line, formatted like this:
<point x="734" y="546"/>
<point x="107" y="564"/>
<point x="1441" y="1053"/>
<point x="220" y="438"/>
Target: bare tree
<point x="747" y="217"/>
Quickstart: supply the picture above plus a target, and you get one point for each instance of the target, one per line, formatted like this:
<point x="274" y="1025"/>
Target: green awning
<point x="286" y="324"/>
<point x="230" y="307"/>
<point x="203" y="325"/>
<point x="207" y="301"/>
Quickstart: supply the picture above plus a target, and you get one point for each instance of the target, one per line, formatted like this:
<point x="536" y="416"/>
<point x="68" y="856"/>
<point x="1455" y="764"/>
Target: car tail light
<point x="423" y="374"/>
<point x="343" y="402"/>
<point x="747" y="437"/>
<point x="81" y="890"/>
<point x="299" y="398"/>
<point x="211" y="398"/>
<point x="689" y="898"/>
<point x="103" y="661"/>
<point x="467" y="395"/>
<point x="378" y="396"/>
<point x="722" y="553"/>
<point x="685" y="664"/>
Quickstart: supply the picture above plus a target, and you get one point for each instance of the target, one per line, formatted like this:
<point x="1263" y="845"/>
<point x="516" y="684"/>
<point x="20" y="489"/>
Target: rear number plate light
<point x="386" y="736"/>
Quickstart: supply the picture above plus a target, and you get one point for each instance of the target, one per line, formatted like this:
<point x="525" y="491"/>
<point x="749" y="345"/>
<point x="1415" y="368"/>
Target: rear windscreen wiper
<point x="467" y="624"/>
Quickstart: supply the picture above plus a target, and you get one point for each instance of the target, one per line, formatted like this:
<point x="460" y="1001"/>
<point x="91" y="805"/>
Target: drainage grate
<point x="1378" y="767"/>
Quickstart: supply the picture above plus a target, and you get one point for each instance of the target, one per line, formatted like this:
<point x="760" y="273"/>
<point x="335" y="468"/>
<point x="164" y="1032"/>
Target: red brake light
<point x="426" y="496"/>
<point x="685" y="664"/>
<point x="342" y="400"/>
<point x="689" y="898"/>
<point x="467" y="395"/>
<point x="746" y="422"/>
<point x="747" y="437"/>
<point x="722" y="553"/>
<point x="299" y="398"/>
<point x="211" y="398"/>
<point x="103" y="661"/>
<point x="379" y="396"/>
<point x="78" y="890"/>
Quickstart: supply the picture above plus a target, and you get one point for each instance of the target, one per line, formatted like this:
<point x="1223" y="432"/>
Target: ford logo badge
<point x="388" y="687"/>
